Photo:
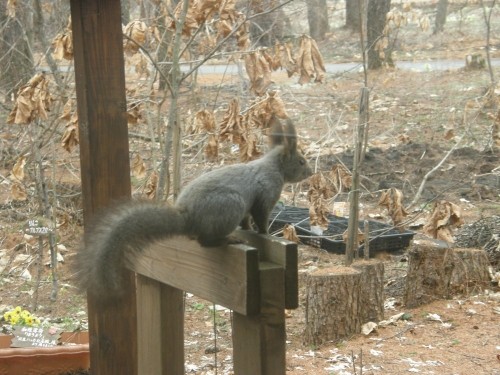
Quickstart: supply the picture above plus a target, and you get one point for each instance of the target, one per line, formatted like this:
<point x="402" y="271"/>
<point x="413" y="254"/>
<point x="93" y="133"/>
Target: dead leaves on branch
<point x="33" y="101"/>
<point x="319" y="195"/>
<point x="341" y="178"/>
<point x="308" y="63"/>
<point x="259" y="72"/>
<point x="17" y="190"/>
<point x="204" y="122"/>
<point x="290" y="234"/>
<point x="63" y="44"/>
<point x="11" y="8"/>
<point x="445" y="217"/>
<point x="392" y="200"/>
<point x="138" y="167"/>
<point x="135" y="32"/>
<point x="322" y="190"/>
<point x="202" y="11"/>
<point x="70" y="138"/>
<point x="244" y="129"/>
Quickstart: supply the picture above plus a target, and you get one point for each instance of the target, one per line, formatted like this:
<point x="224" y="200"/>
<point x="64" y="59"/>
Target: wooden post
<point x="252" y="282"/>
<point x="259" y="342"/>
<point x="105" y="169"/>
<point x="160" y="311"/>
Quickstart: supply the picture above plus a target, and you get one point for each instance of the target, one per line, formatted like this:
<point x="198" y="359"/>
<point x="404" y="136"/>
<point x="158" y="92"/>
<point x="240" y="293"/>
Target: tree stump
<point x="332" y="304"/>
<point x="435" y="272"/>
<point x="372" y="290"/>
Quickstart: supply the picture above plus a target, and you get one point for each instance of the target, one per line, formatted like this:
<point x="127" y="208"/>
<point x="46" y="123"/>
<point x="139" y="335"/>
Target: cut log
<point x="332" y="304"/>
<point x="371" y="308"/>
<point x="435" y="272"/>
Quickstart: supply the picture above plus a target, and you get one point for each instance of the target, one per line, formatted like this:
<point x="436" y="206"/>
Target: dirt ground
<point x="415" y="119"/>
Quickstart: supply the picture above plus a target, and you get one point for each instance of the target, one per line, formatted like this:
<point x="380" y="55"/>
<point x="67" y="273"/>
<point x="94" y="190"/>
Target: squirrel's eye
<point x="302" y="161"/>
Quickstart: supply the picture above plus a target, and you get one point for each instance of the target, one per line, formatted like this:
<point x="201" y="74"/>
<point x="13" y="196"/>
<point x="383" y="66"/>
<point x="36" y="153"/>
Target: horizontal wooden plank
<point x="282" y="252"/>
<point x="228" y="275"/>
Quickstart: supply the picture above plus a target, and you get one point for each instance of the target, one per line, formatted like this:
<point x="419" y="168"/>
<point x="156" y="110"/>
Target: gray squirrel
<point x="208" y="210"/>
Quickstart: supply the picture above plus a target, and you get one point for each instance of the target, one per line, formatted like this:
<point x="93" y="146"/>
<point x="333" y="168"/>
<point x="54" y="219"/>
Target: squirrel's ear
<point x="290" y="135"/>
<point x="277" y="133"/>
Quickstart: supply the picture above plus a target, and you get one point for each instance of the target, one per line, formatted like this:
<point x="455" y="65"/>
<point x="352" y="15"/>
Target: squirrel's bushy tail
<point x="124" y="229"/>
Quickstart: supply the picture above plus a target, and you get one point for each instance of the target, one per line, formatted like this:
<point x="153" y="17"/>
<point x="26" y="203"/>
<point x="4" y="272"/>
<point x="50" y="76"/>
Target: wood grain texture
<point x="228" y="276"/>
<point x="160" y="312"/>
<point x="259" y="342"/>
<point x="279" y="251"/>
<point x="105" y="170"/>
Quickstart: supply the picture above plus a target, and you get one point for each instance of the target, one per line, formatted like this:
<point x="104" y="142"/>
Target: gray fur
<point x="208" y="209"/>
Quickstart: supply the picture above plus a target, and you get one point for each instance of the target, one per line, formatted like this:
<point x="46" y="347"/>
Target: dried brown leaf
<point x="70" y="138"/>
<point x="360" y="238"/>
<point x="287" y="61"/>
<point x="318" y="213"/>
<point x="259" y="72"/>
<point x="67" y="110"/>
<point x="11" y="8"/>
<point x="138" y="167"/>
<point x="212" y="147"/>
<point x="18" y="192"/>
<point x="204" y="121"/>
<point x="151" y="186"/>
<point x="341" y="178"/>
<point x="392" y="200"/>
<point x="136" y="32"/>
<point x="134" y="113"/>
<point x="260" y="112"/>
<point x="17" y="171"/>
<point x="310" y="61"/>
<point x="249" y="144"/>
<point x="290" y="234"/>
<point x="63" y="44"/>
<point x="444" y="218"/>
<point x="231" y="126"/>
<point x="319" y="188"/>
<point x="33" y="101"/>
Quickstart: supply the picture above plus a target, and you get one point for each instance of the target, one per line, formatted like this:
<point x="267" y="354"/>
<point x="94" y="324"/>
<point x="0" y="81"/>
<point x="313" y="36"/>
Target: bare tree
<point x="269" y="26"/>
<point x="442" y="10"/>
<point x="376" y="15"/>
<point x="317" y="16"/>
<point x="353" y="11"/>
<point x="16" y="59"/>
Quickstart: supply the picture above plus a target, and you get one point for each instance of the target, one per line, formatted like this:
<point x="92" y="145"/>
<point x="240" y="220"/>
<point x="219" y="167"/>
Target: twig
<point x="428" y="174"/>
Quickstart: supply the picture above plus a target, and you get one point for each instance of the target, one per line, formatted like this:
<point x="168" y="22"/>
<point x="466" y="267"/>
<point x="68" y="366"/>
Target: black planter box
<point x="383" y="238"/>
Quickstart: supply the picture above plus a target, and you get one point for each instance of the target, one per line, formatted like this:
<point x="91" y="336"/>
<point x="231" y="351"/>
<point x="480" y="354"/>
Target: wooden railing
<point x="257" y="280"/>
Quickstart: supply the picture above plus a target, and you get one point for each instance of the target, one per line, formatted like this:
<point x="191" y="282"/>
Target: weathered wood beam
<point x="228" y="276"/>
<point x="105" y="169"/>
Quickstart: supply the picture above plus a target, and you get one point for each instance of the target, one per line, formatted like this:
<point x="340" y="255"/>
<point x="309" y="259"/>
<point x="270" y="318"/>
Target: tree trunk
<point x="125" y="7"/>
<point x="340" y="299"/>
<point x="269" y="28"/>
<point x="442" y="9"/>
<point x="376" y="14"/>
<point x="162" y="51"/>
<point x="16" y="60"/>
<point x="353" y="10"/>
<point x="332" y="304"/>
<point x="317" y="16"/>
<point x="371" y="308"/>
<point x="435" y="272"/>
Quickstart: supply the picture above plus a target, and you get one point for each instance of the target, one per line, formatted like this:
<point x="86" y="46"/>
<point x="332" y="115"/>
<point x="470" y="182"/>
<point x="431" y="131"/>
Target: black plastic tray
<point x="383" y="238"/>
